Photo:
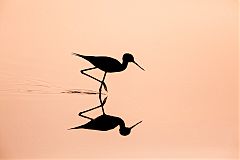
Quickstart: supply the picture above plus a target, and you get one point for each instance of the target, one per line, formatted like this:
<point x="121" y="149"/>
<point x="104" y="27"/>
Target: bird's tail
<point x="79" y="55"/>
<point x="78" y="127"/>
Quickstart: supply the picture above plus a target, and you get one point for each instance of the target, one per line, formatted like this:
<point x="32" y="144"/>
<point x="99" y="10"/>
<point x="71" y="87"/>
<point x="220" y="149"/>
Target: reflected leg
<point x="101" y="105"/>
<point x="100" y="93"/>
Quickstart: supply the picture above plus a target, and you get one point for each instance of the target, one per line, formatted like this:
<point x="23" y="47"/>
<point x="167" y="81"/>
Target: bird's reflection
<point x="105" y="122"/>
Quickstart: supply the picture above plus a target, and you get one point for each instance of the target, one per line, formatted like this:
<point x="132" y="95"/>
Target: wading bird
<point x="106" y="64"/>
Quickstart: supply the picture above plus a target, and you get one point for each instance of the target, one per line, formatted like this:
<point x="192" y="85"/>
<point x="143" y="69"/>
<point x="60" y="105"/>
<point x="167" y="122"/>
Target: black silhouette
<point x="105" y="122"/>
<point x="106" y="64"/>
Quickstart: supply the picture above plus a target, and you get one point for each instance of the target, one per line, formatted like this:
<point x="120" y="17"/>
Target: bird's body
<point x="106" y="64"/>
<point x="106" y="122"/>
<point x="103" y="123"/>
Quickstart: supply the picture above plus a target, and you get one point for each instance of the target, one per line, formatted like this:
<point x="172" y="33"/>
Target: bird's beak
<point x="135" y="124"/>
<point x="138" y="65"/>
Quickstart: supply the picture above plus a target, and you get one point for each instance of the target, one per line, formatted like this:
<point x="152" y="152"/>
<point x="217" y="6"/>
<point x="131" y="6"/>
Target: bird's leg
<point x="86" y="117"/>
<point x="100" y="93"/>
<point x="80" y="113"/>
<point x="83" y="72"/>
<point x="102" y="104"/>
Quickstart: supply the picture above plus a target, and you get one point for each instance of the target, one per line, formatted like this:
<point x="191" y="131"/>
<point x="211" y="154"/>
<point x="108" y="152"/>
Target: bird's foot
<point x="80" y="113"/>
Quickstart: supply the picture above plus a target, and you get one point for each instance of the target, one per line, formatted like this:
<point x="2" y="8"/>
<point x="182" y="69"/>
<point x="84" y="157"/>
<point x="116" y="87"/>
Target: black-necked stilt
<point x="106" y="64"/>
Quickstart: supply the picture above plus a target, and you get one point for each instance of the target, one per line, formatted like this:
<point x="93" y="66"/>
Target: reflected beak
<point x="138" y="65"/>
<point x="136" y="124"/>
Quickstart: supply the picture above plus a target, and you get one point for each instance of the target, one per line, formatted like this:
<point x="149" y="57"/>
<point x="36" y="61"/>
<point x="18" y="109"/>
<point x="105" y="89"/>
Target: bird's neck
<point x="121" y="123"/>
<point x="124" y="65"/>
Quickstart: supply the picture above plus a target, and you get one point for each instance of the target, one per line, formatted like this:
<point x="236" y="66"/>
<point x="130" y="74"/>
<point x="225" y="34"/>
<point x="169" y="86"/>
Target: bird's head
<point x="124" y="131"/>
<point x="127" y="57"/>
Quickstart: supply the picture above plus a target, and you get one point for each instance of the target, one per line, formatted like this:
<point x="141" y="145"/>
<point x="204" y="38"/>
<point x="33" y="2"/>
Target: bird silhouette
<point x="105" y="122"/>
<point x="106" y="64"/>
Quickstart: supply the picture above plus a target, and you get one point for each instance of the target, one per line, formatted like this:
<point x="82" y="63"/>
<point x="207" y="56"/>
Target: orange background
<point x="187" y="97"/>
